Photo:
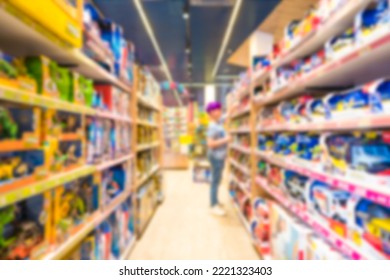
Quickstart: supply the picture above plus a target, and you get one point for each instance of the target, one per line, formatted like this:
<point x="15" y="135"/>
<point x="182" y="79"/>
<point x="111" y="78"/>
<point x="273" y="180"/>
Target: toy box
<point x="74" y="203"/>
<point x="372" y="21"/>
<point x="369" y="227"/>
<point x="265" y="142"/>
<point x="340" y="45"/>
<point x="43" y="71"/>
<point x="309" y="149"/>
<point x="379" y="96"/>
<point x="300" y="113"/>
<point x="295" y="186"/>
<point x="330" y="204"/>
<point x="285" y="144"/>
<point x="318" y="109"/>
<point x="20" y="127"/>
<point x="126" y="223"/>
<point x="114" y="182"/>
<point x="275" y="175"/>
<point x="86" y="90"/>
<point x="362" y="157"/>
<point x="287" y="110"/>
<point x="62" y="18"/>
<point x="350" y="104"/>
<point x="21" y="168"/>
<point x="8" y="73"/>
<point x="103" y="239"/>
<point x="114" y="222"/>
<point x="110" y="98"/>
<point x="260" y="226"/>
<point x="25" y="228"/>
<point x="262" y="167"/>
<point x="288" y="237"/>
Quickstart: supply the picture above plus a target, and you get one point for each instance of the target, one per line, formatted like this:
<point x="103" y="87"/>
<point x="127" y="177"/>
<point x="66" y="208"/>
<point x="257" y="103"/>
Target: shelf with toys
<point x="67" y="157"/>
<point x="31" y="37"/>
<point x="147" y="142"/>
<point x="318" y="127"/>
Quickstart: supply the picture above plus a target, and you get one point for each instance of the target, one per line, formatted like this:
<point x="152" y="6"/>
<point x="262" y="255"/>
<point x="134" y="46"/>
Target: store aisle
<point x="183" y="228"/>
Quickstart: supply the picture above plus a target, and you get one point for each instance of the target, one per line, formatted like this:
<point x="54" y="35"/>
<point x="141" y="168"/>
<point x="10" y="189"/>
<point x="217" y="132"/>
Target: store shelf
<point x="241" y="112"/>
<point x="241" y="185"/>
<point x="111" y="116"/>
<point x="147" y="123"/>
<point x="144" y="147"/>
<point x="129" y="248"/>
<point x="377" y="194"/>
<point x="147" y="103"/>
<point x="344" y="246"/>
<point x="260" y="76"/>
<point x="355" y="66"/>
<point x="240" y="130"/>
<point x="369" y="121"/>
<point x="240" y="148"/>
<point x="33" y="99"/>
<point x="20" y="193"/>
<point x="149" y="174"/>
<point x="241" y="167"/>
<point x="243" y="220"/>
<point x="28" y="38"/>
<point x="114" y="162"/>
<point x="96" y="219"/>
<point x="336" y="23"/>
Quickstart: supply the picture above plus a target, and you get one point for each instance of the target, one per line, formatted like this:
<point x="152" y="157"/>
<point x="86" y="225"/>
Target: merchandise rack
<point x="354" y="66"/>
<point x="152" y="102"/>
<point x="30" y="39"/>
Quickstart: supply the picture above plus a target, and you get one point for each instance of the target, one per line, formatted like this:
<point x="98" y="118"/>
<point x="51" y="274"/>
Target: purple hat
<point x="213" y="106"/>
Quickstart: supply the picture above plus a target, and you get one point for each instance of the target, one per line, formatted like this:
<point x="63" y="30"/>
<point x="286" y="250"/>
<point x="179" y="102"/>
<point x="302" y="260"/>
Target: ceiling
<point x="207" y="25"/>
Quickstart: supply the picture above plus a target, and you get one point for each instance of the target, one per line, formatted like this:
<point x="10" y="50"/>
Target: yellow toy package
<point x="62" y="18"/>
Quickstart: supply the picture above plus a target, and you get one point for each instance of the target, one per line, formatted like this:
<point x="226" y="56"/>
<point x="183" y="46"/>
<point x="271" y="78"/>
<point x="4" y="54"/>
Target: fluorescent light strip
<point x="156" y="46"/>
<point x="228" y="33"/>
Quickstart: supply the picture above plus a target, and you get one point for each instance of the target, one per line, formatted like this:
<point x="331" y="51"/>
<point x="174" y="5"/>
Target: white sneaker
<point x="218" y="211"/>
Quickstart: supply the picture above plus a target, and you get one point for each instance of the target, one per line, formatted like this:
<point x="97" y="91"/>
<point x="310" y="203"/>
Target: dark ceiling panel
<point x="207" y="27"/>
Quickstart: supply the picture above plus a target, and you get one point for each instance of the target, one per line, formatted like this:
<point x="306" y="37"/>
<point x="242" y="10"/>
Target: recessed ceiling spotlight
<point x="186" y="15"/>
<point x="188" y="50"/>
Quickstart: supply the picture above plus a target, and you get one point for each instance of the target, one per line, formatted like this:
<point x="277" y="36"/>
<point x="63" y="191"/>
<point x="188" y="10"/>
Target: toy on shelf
<point x="25" y="228"/>
<point x="309" y="147"/>
<point x="340" y="44"/>
<point x="115" y="180"/>
<point x="21" y="168"/>
<point x="295" y="186"/>
<point x="265" y="142"/>
<point x="285" y="144"/>
<point x="74" y="202"/>
<point x="261" y="226"/>
<point x="363" y="155"/>
<point x="369" y="226"/>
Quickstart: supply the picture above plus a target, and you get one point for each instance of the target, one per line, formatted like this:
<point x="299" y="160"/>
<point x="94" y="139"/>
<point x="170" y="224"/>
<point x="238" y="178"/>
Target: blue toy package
<point x="287" y="109"/>
<point x="285" y="144"/>
<point x="113" y="183"/>
<point x="295" y="185"/>
<point x="115" y="237"/>
<point x="103" y="237"/>
<point x="113" y="34"/>
<point x="309" y="146"/>
<point x="328" y="202"/>
<point x="349" y="104"/>
<point x="265" y="142"/>
<point x="379" y="96"/>
<point x="372" y="19"/>
<point x="16" y="166"/>
<point x="370" y="225"/>
<point x="318" y="109"/>
<point x="368" y="153"/>
<point x="339" y="44"/>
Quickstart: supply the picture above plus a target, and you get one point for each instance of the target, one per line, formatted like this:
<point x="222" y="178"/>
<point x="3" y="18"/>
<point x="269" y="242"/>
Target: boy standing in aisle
<point x="217" y="141"/>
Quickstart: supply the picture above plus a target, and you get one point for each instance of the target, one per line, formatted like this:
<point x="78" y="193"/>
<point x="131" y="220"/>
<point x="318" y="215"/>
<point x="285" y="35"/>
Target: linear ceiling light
<point x="228" y="33"/>
<point x="156" y="46"/>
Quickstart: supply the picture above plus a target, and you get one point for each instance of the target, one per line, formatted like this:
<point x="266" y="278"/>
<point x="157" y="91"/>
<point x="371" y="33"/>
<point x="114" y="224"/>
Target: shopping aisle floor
<point x="183" y="227"/>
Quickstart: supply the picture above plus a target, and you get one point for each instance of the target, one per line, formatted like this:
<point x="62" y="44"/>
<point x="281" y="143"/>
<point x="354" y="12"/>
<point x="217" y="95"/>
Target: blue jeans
<point x="217" y="166"/>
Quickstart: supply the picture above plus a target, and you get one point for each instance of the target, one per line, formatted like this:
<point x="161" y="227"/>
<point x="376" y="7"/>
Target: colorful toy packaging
<point x="285" y="144"/>
<point x="363" y="157"/>
<point x="21" y="168"/>
<point x="25" y="228"/>
<point x="379" y="96"/>
<point x="265" y="142"/>
<point x="369" y="226"/>
<point x="261" y="226"/>
<point x="340" y="44"/>
<point x="295" y="185"/>
<point x="74" y="202"/>
<point x="372" y="21"/>
<point x="114" y="182"/>
<point x="20" y="127"/>
<point x="103" y="239"/>
<point x="288" y="237"/>
<point x="330" y="204"/>
<point x="309" y="150"/>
